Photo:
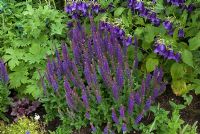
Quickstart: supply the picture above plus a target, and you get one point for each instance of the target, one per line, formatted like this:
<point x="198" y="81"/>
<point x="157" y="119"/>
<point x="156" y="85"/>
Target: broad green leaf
<point x="179" y="87"/>
<point x="118" y="11"/>
<point x="194" y="43"/>
<point x="18" y="77"/>
<point x="187" y="57"/>
<point x="177" y="71"/>
<point x="151" y="64"/>
<point x="125" y="21"/>
<point x="13" y="56"/>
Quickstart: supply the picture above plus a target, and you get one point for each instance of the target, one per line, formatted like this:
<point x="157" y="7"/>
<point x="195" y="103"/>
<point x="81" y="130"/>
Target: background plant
<point x="28" y="34"/>
<point x="173" y="123"/>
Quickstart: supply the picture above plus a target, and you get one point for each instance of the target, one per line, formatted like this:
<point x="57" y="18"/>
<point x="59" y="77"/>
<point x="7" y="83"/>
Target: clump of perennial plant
<point x="168" y="53"/>
<point x="4" y="91"/>
<point x="98" y="82"/>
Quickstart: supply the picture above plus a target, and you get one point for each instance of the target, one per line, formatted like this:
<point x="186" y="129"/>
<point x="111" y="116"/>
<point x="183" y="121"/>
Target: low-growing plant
<point x="28" y="33"/>
<point x="23" y="107"/>
<point x="173" y="124"/>
<point x="5" y="101"/>
<point x="24" y="125"/>
<point x="96" y="85"/>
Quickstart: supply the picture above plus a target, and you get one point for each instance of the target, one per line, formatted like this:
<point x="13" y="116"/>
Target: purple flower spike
<point x="181" y="33"/>
<point x="120" y="76"/>
<point x="85" y="99"/>
<point x="124" y="128"/>
<point x="114" y="116"/>
<point x="87" y="115"/>
<point x="138" y="118"/>
<point x="131" y="103"/>
<point x="167" y="25"/>
<point x="115" y="90"/>
<point x="105" y="131"/>
<point x="93" y="128"/>
<point x="137" y="98"/>
<point x="147" y="104"/>
<point x="98" y="96"/>
<point x="122" y="111"/>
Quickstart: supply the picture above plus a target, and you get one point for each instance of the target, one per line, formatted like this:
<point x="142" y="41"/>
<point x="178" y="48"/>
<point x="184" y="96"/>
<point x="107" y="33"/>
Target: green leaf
<point x="194" y="43"/>
<point x="177" y="71"/>
<point x="118" y="11"/>
<point x="18" y="77"/>
<point x="151" y="64"/>
<point x="187" y="57"/>
<point x="179" y="87"/>
<point x="125" y="21"/>
<point x="13" y="56"/>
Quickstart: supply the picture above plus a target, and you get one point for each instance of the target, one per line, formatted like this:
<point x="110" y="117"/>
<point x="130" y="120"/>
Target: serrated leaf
<point x="13" y="56"/>
<point x="194" y="43"/>
<point x="151" y="64"/>
<point x="187" y="57"/>
<point x="118" y="11"/>
<point x="18" y="77"/>
<point x="177" y="71"/>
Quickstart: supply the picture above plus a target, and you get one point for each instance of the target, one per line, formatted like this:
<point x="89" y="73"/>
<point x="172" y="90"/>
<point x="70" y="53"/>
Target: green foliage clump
<point x="165" y="124"/>
<point x="28" y="33"/>
<point x="22" y="126"/>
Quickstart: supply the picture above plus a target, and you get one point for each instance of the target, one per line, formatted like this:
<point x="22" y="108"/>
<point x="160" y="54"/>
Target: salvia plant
<point x="96" y="80"/>
<point x="4" y="91"/>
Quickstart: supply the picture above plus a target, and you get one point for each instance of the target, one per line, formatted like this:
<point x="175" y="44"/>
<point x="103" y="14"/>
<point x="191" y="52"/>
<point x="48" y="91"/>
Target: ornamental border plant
<point x="96" y="75"/>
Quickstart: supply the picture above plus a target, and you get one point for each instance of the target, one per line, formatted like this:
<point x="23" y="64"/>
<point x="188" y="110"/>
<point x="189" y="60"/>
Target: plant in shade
<point x="4" y="91"/>
<point x="23" y="107"/>
<point x="97" y="81"/>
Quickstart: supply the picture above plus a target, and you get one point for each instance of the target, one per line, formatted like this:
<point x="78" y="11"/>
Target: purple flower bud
<point x="93" y="128"/>
<point x="87" y="115"/>
<point x="114" y="116"/>
<point x="54" y="83"/>
<point x="177" y="57"/>
<point x="122" y="111"/>
<point x="138" y="118"/>
<point x="143" y="89"/>
<point x="105" y="131"/>
<point x="147" y="104"/>
<point x="155" y="93"/>
<point x="167" y="25"/>
<point x="128" y="41"/>
<point x="139" y="6"/>
<point x="131" y="103"/>
<point x="124" y="128"/>
<point x="181" y="33"/>
<point x="68" y="9"/>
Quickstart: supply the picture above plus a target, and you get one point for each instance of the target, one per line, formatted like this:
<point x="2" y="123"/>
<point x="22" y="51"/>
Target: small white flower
<point x="37" y="117"/>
